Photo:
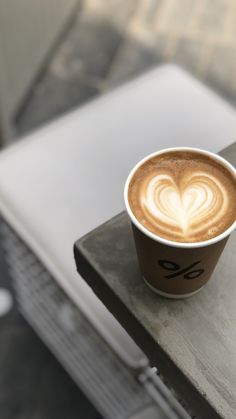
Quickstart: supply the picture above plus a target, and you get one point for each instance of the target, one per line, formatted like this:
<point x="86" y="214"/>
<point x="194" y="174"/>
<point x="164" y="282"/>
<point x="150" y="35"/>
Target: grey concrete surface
<point x="192" y="341"/>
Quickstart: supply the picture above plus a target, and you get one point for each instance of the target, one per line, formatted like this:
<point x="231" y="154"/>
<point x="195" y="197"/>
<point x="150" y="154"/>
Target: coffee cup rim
<point x="160" y="239"/>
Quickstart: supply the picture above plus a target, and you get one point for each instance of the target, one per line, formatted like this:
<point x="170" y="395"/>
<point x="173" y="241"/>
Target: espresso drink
<point x="183" y="196"/>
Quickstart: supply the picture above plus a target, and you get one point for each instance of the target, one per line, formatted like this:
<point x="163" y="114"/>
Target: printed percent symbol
<point x="188" y="273"/>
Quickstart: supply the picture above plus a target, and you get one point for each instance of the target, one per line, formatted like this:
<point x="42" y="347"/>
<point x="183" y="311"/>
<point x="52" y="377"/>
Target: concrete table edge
<point x="197" y="402"/>
<point x="176" y="379"/>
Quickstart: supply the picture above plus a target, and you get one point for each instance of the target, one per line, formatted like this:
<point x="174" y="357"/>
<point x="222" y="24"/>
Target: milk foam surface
<point x="183" y="196"/>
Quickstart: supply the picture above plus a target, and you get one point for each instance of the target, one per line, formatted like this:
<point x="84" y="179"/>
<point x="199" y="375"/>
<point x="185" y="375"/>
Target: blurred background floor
<point x="33" y="385"/>
<point x="111" y="41"/>
<point x="106" y="43"/>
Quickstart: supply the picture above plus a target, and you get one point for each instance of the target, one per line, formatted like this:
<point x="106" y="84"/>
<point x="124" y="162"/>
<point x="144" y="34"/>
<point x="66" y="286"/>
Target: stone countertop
<point x="192" y="342"/>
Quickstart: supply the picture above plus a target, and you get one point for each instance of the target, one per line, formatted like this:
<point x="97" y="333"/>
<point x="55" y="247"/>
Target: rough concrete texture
<point x="192" y="341"/>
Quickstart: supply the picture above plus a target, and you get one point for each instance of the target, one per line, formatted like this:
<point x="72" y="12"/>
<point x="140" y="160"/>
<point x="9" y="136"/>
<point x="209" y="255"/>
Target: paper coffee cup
<point x="175" y="269"/>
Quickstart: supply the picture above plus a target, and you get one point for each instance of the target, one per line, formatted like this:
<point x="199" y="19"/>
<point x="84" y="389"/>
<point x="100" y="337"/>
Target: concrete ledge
<point x="192" y="342"/>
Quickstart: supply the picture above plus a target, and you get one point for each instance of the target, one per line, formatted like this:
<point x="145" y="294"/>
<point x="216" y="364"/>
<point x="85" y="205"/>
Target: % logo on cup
<point x="177" y="270"/>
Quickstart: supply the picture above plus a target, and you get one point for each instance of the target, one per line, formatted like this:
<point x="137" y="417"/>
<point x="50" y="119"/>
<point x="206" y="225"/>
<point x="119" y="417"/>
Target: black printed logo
<point x="186" y="272"/>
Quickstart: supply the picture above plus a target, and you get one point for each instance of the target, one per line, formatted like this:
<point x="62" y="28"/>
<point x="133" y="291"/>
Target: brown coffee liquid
<point x="183" y="196"/>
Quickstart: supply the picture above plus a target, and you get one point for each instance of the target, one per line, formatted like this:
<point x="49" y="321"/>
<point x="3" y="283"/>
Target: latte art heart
<point x="183" y="196"/>
<point x="199" y="203"/>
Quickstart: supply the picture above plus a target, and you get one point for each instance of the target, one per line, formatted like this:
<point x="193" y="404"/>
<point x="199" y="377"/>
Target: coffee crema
<point x="183" y="196"/>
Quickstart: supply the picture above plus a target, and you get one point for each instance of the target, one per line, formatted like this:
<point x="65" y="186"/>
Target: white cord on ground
<point x="6" y="301"/>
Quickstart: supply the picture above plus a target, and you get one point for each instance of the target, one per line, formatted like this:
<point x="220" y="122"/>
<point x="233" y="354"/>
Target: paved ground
<point x="109" y="42"/>
<point x="33" y="385"/>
